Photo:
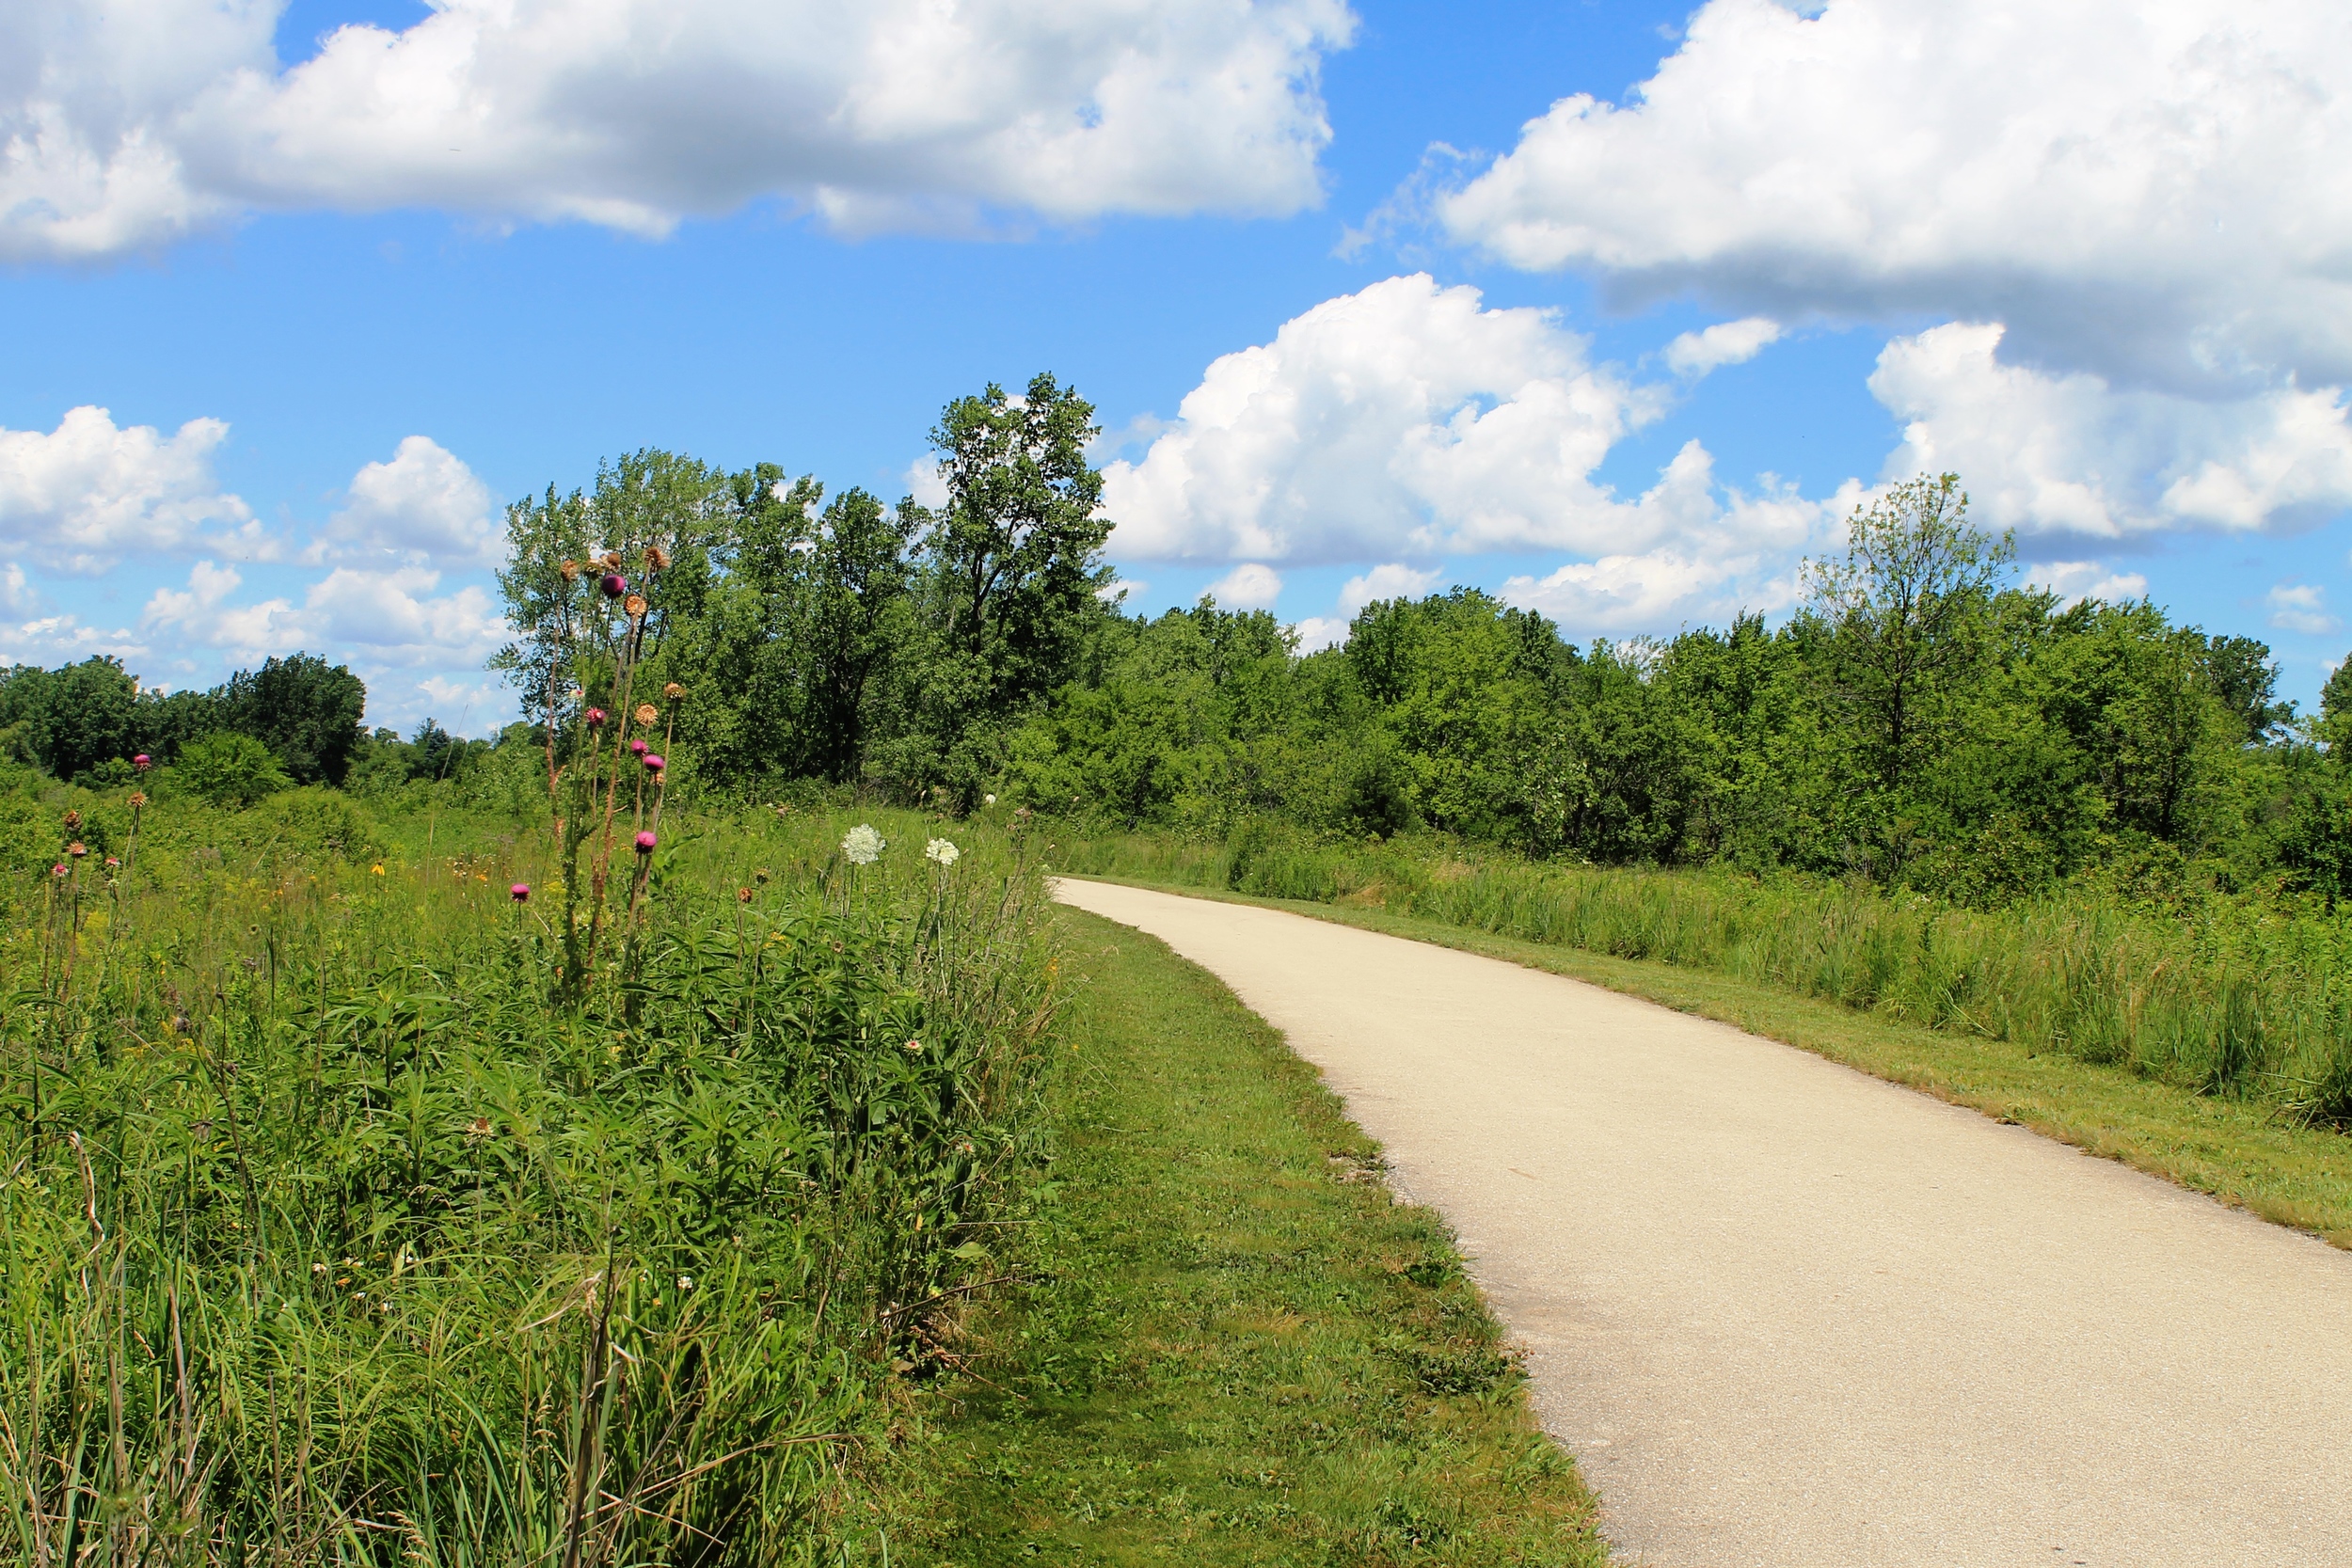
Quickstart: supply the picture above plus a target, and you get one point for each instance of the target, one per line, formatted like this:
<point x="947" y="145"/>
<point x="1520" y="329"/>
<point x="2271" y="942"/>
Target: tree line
<point x="1921" y="720"/>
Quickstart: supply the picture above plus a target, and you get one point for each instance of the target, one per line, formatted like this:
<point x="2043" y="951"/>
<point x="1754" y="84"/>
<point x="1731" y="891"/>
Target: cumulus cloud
<point x="425" y="505"/>
<point x="2301" y="607"/>
<point x="2072" y="454"/>
<point x="80" y="498"/>
<point x="379" y="618"/>
<point x="2073" y="581"/>
<point x="1394" y="581"/>
<point x="1694" y="354"/>
<point x="2154" y="193"/>
<point x="1249" y="586"/>
<point x="1743" y="558"/>
<point x="131" y="126"/>
<point x="1404" y="419"/>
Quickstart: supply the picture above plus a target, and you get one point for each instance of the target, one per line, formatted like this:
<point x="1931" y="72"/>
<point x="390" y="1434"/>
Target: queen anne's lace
<point x="862" y="845"/>
<point x="941" y="851"/>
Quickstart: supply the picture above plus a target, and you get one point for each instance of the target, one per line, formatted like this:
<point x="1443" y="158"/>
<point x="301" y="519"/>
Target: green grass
<point x="1237" y="1349"/>
<point x="2240" y="1150"/>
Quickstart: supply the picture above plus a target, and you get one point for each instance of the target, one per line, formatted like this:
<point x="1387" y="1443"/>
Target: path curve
<point x="1787" y="1314"/>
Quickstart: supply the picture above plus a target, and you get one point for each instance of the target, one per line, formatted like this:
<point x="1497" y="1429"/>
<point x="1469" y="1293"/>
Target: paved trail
<point x="1787" y="1314"/>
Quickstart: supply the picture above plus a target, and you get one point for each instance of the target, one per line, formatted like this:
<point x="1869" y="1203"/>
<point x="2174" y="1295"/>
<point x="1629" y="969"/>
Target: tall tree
<point x="303" y="708"/>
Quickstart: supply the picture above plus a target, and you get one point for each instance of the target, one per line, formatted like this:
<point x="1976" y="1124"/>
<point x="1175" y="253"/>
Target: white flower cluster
<point x="941" y="851"/>
<point x="862" y="845"/>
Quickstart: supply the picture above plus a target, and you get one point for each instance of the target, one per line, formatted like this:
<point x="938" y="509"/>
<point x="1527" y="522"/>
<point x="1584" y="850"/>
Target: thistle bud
<point x="638" y="746"/>
<point x="636" y="607"/>
<point x="646" y="841"/>
<point x="647" y="713"/>
<point x="615" y="585"/>
<point x="595" y="717"/>
<point x="520" y="893"/>
<point x="654" y="765"/>
<point x="57" y="870"/>
<point x="142" y="762"/>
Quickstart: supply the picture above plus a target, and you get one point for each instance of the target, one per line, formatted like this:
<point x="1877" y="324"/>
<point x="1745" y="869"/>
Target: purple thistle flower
<point x="654" y="765"/>
<point x="615" y="585"/>
<point x="520" y="893"/>
<point x="646" y="841"/>
<point x="595" y="718"/>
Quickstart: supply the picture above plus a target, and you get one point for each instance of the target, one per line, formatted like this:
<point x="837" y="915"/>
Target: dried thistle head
<point x="570" y="569"/>
<point x="656" y="559"/>
<point x="636" y="607"/>
<point x="610" y="560"/>
<point x="73" y="820"/>
<point x="647" y="713"/>
<point x="674" y="691"/>
<point x="138" y="798"/>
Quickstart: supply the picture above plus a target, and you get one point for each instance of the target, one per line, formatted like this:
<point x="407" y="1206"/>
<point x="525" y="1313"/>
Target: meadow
<point x="349" y="1221"/>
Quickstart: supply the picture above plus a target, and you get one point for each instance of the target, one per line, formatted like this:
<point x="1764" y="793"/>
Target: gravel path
<point x="1787" y="1314"/>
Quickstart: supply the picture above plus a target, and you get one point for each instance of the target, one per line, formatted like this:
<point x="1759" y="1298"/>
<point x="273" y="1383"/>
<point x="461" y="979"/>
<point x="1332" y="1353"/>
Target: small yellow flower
<point x="377" y="869"/>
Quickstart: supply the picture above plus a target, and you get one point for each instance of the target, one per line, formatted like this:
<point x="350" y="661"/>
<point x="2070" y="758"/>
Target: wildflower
<point x="862" y="845"/>
<point x="376" y="869"/>
<point x="57" y="870"/>
<point x="685" y="1282"/>
<point x="742" y="896"/>
<point x="478" y="1128"/>
<point x="674" y="691"/>
<point x="656" y="559"/>
<point x="941" y="851"/>
<point x="638" y="746"/>
<point x="520" y="893"/>
<point x="73" y="820"/>
<point x="635" y="606"/>
<point x="655" y="763"/>
<point x="595" y="717"/>
<point x="646" y="841"/>
<point x="615" y="585"/>
<point x="914" y="1048"/>
<point x="142" y="762"/>
<point x="75" y="849"/>
<point x="575" y="693"/>
<point x="112" y="863"/>
<point x="988" y="800"/>
<point x="568" y="570"/>
<point x="648" y="714"/>
<point x="138" y="798"/>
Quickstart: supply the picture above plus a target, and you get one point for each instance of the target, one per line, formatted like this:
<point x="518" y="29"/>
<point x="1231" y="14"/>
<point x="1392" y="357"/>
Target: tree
<point x="303" y="708"/>
<point x="1019" y="545"/>
<point x="73" y="719"/>
<point x="228" y="770"/>
<point x="1902" y="606"/>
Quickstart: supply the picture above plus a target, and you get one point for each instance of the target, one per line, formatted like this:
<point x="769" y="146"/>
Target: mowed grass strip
<point x="1238" y="1348"/>
<point x="2242" y="1151"/>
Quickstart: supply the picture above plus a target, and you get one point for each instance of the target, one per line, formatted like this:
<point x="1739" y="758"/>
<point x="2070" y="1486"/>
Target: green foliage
<point x="331" y="1232"/>
<point x="305" y="709"/>
<point x="227" y="769"/>
<point x="72" y="720"/>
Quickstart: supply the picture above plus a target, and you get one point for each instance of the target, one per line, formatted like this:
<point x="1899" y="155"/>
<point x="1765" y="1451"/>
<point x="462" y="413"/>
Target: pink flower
<point x="520" y="893"/>
<point x="57" y="870"/>
<point x="646" y="841"/>
<point x="638" y="746"/>
<point x="615" y="585"/>
<point x="654" y="765"/>
<point x="142" y="762"/>
<point x="595" y="718"/>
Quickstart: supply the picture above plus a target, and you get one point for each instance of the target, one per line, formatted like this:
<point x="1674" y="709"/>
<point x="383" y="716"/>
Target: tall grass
<point x="335" y="1228"/>
<point x="2231" y="998"/>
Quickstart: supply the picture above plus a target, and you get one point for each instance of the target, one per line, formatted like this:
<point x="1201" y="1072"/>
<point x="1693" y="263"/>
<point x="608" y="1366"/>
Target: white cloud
<point x="1694" y="354"/>
<point x="131" y="126"/>
<point x="924" y="482"/>
<point x="80" y="498"/>
<point x="424" y="505"/>
<point x="1404" y="419"/>
<point x="2073" y="581"/>
<point x="2071" y="454"/>
<point x="2301" y="607"/>
<point x="1394" y="581"/>
<point x="2156" y="193"/>
<point x="50" y="640"/>
<point x="1318" y="632"/>
<point x="1249" y="586"/>
<point x="1744" y="559"/>
<point x="375" y="618"/>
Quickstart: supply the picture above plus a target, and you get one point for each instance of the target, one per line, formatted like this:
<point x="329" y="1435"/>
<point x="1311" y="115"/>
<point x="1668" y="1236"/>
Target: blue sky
<point x="2151" y="410"/>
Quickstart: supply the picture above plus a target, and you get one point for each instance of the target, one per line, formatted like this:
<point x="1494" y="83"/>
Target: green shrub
<point x="228" y="770"/>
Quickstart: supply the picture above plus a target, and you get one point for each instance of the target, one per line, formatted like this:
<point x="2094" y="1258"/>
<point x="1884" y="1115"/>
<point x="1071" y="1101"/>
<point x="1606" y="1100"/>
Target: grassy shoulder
<point x="2241" y="1151"/>
<point x="1237" y="1349"/>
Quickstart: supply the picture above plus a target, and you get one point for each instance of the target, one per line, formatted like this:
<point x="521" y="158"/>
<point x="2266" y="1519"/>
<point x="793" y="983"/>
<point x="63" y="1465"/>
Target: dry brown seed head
<point x="636" y="605"/>
<point x="138" y="798"/>
<point x="570" y="570"/>
<point x="674" y="691"/>
<point x="73" y="820"/>
<point x="647" y="713"/>
<point x="656" y="558"/>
